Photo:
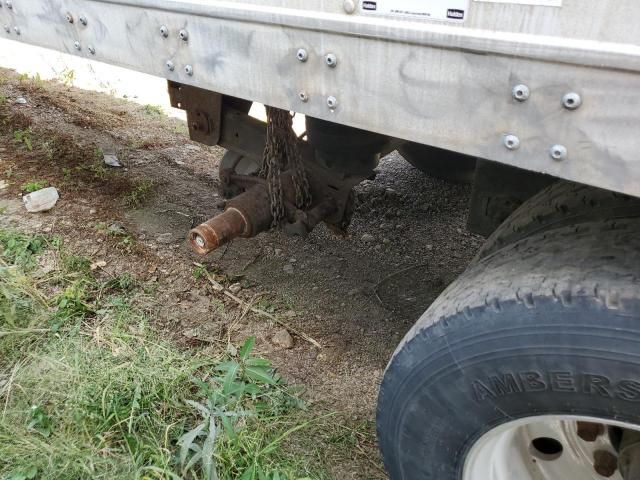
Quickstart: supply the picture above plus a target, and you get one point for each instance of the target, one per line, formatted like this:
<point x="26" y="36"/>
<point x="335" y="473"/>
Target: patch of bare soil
<point x="356" y="296"/>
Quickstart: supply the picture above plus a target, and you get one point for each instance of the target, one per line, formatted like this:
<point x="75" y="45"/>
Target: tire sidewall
<point x="476" y="370"/>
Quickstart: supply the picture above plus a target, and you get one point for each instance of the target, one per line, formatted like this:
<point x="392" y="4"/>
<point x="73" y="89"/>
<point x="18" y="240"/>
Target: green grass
<point x="153" y="110"/>
<point x="88" y="389"/>
<point x="33" y="186"/>
<point x="139" y="194"/>
<point x="24" y="137"/>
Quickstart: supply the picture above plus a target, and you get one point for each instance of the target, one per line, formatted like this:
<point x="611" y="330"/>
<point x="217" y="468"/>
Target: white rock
<point x="235" y="288"/>
<point x="368" y="238"/>
<point x="21" y="101"/>
<point x="111" y="159"/>
<point x="3" y="184"/>
<point x="42" y="200"/>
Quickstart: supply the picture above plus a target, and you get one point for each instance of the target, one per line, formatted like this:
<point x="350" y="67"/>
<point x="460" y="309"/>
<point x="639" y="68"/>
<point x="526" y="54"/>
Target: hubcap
<point x="546" y="448"/>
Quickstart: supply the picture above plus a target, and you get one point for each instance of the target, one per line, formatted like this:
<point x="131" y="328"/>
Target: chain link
<point x="281" y="153"/>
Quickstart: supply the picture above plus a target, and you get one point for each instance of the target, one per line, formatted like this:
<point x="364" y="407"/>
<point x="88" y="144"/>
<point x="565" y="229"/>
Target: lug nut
<point x="605" y="463"/>
<point x="184" y="35"/>
<point x="188" y="70"/>
<point x="164" y="31"/>
<point x="589" y="431"/>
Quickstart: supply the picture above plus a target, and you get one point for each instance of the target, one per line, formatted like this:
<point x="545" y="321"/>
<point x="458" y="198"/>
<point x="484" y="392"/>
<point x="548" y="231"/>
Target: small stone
<point x="190" y="333"/>
<point x="116" y="228"/>
<point x="21" y="101"/>
<point x="289" y="314"/>
<point x="368" y="238"/>
<point x="288" y="268"/>
<point x="235" y="288"/>
<point x="293" y="260"/>
<point x="111" y="160"/>
<point x="3" y="184"/>
<point x="165" y="238"/>
<point x="98" y="264"/>
<point x="42" y="200"/>
<point x="386" y="241"/>
<point x="429" y="247"/>
<point x="93" y="211"/>
<point x="277" y="252"/>
<point x="283" y="339"/>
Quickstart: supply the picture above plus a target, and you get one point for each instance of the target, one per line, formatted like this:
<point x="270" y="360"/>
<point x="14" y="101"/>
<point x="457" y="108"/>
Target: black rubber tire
<point x="560" y="204"/>
<point x="439" y="163"/>
<point x="546" y="325"/>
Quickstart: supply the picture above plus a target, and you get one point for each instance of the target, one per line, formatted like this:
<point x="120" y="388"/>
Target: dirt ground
<point x="354" y="296"/>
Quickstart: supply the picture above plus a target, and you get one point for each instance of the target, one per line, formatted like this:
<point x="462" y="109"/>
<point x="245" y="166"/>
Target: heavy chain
<point x="281" y="153"/>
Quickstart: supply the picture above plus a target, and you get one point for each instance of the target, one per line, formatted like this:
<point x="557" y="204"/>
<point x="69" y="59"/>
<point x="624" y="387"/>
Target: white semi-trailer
<point x="528" y="366"/>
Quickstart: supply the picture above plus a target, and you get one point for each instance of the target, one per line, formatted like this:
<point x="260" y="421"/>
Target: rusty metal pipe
<point x="214" y="233"/>
<point x="246" y="216"/>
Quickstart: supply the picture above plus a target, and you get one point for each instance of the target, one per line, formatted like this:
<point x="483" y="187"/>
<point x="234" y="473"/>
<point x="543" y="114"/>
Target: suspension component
<point x="245" y="216"/>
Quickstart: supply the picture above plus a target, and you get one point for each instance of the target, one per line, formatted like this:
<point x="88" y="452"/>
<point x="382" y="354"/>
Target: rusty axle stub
<point x="246" y="216"/>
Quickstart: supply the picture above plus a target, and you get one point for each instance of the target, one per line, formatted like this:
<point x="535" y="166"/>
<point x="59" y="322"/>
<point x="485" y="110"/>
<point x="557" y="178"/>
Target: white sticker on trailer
<point x="450" y="10"/>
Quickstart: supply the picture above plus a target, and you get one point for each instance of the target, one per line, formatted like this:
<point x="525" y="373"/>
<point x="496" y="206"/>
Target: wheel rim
<point x="541" y="448"/>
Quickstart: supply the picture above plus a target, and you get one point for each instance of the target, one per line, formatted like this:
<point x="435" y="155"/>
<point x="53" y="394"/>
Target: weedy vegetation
<point x="139" y="193"/>
<point x="153" y="110"/>
<point x="33" y="186"/>
<point x="88" y="389"/>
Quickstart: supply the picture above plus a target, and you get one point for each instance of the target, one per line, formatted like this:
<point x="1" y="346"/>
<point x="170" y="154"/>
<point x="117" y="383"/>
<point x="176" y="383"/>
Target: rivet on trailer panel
<point x="572" y="101"/>
<point x="302" y="55"/>
<point x="349" y="6"/>
<point x="521" y="93"/>
<point x="512" y="142"/>
<point x="559" y="152"/>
